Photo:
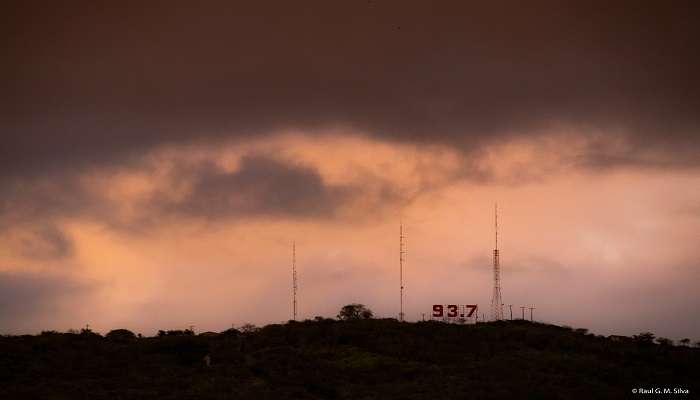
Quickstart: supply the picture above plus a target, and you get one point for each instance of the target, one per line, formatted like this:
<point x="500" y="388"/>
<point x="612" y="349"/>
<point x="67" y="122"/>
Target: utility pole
<point x="531" y="308"/>
<point x="523" y="310"/>
<point x="511" y="311"/>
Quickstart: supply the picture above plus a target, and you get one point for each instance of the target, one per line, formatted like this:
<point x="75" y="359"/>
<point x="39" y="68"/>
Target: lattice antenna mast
<point x="294" y="280"/>
<point x="402" y="258"/>
<point x="496" y="301"/>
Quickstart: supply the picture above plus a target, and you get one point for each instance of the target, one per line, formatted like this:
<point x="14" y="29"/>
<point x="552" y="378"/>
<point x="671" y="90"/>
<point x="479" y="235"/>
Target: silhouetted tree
<point x="685" y="342"/>
<point x="644" y="337"/>
<point x="88" y="332"/>
<point x="120" y="334"/>
<point x="231" y="332"/>
<point x="177" y="332"/>
<point x="354" y="311"/>
<point x="249" y="328"/>
<point x="664" y="341"/>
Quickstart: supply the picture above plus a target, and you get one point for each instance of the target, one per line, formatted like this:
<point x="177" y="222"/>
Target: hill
<point x="363" y="359"/>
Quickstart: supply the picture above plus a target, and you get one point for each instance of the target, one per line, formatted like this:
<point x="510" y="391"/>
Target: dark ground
<point x="364" y="359"/>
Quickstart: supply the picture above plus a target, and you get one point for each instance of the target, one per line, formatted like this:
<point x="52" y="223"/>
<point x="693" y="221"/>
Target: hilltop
<point x="361" y="359"/>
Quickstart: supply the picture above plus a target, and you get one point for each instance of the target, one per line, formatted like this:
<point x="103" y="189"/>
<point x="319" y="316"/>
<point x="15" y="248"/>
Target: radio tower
<point x="294" y="280"/>
<point x="401" y="260"/>
<point x="496" y="301"/>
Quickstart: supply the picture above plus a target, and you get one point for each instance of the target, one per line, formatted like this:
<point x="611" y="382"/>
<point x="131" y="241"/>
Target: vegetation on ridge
<point x="351" y="359"/>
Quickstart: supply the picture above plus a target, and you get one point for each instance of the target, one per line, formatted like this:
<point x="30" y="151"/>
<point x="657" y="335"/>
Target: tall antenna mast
<point x="294" y="280"/>
<point x="402" y="253"/>
<point x="496" y="301"/>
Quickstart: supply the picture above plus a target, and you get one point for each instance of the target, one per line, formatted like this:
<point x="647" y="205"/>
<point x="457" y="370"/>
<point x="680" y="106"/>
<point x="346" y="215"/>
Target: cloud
<point x="91" y="86"/>
<point x="27" y="299"/>
<point x="41" y="198"/>
<point x="35" y="208"/>
<point x="46" y="242"/>
<point x="261" y="186"/>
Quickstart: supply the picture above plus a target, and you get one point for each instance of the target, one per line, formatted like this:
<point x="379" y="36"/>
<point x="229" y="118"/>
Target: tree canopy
<point x="355" y="311"/>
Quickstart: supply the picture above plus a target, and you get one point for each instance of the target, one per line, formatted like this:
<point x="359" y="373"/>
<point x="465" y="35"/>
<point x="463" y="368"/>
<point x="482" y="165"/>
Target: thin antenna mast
<point x="496" y="302"/>
<point x="401" y="260"/>
<point x="294" y="280"/>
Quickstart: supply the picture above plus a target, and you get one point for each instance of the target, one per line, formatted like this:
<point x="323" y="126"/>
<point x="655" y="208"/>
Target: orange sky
<point x="613" y="251"/>
<point x="158" y="160"/>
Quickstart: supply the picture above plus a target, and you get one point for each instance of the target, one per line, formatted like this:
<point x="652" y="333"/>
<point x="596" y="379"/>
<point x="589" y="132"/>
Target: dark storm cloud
<point x="260" y="186"/>
<point x="46" y="242"/>
<point x="26" y="297"/>
<point x="89" y="84"/>
<point x="43" y="198"/>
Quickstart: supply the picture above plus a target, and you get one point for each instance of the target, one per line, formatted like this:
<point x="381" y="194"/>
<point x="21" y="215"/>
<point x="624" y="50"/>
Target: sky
<point x="158" y="161"/>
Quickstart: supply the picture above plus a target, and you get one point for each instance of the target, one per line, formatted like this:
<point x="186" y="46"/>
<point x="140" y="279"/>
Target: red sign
<point x="454" y="311"/>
